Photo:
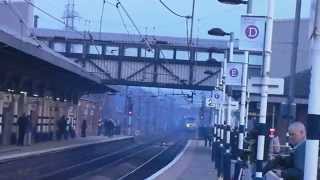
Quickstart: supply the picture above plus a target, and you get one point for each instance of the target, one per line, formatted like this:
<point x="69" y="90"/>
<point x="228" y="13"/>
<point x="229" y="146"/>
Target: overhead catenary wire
<point x="101" y="17"/>
<point x="189" y="40"/>
<point x="120" y="15"/>
<point x="169" y="9"/>
<point x="22" y="22"/>
<point x="110" y="3"/>
<point x="123" y="22"/>
<point x="187" y="29"/>
<point x="64" y="23"/>
<point x="119" y="4"/>
<point x="191" y="26"/>
<point x="51" y="16"/>
<point x="78" y="32"/>
<point x="135" y="26"/>
<point x="45" y="12"/>
<point x="89" y="33"/>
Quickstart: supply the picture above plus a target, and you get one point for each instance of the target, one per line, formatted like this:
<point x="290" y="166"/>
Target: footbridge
<point x="120" y="59"/>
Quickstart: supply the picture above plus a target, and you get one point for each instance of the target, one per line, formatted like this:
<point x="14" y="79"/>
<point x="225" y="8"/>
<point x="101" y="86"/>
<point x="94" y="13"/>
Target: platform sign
<point x="252" y="33"/>
<point x="215" y="100"/>
<point x="234" y="74"/>
<point x="275" y="86"/>
<point x="235" y="105"/>
<point x="209" y="102"/>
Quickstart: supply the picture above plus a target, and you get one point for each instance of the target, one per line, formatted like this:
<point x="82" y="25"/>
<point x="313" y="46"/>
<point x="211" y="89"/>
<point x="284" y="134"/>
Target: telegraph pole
<point x="313" y="121"/>
<point x="264" y="90"/>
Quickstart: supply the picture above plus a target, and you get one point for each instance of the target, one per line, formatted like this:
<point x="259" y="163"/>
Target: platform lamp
<point x="225" y="162"/>
<point x="236" y="2"/>
<point x="243" y="112"/>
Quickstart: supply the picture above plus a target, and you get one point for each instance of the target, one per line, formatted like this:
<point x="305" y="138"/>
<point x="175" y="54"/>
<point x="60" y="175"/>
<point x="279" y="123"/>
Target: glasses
<point x="291" y="134"/>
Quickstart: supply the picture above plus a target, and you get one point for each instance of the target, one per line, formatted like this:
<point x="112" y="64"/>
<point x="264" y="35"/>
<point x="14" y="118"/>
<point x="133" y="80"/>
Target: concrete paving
<point x="192" y="164"/>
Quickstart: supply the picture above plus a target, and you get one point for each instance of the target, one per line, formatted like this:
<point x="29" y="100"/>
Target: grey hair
<point x="299" y="126"/>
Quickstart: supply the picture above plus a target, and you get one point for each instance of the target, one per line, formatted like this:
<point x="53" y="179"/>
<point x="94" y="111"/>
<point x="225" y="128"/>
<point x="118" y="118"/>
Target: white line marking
<point x="158" y="173"/>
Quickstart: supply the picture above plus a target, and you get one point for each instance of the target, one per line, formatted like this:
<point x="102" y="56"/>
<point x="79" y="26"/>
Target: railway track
<point x="139" y="164"/>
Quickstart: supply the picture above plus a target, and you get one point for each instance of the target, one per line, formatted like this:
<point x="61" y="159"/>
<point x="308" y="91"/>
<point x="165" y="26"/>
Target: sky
<point x="153" y="19"/>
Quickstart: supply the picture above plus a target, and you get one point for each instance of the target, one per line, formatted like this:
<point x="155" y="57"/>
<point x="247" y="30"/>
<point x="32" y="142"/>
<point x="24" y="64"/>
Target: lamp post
<point x="227" y="127"/>
<point x="233" y="1"/>
<point x="243" y="89"/>
<point x="265" y="80"/>
<point x="264" y="90"/>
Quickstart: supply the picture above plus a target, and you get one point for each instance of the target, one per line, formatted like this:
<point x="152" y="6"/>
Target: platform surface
<point x="193" y="163"/>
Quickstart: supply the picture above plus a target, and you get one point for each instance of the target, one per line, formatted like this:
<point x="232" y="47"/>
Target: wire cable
<point x="44" y="12"/>
<point x="62" y="22"/>
<point x="119" y="4"/>
<point x="102" y="13"/>
<point x="121" y="16"/>
<point x="191" y="26"/>
<point x="50" y="15"/>
<point x="15" y="13"/>
<point x="123" y="22"/>
<point x="110" y="3"/>
<point x="187" y="29"/>
<point x="164" y="5"/>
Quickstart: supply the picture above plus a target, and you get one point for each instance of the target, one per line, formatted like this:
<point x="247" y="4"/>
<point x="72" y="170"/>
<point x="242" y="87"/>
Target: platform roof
<point x="27" y="64"/>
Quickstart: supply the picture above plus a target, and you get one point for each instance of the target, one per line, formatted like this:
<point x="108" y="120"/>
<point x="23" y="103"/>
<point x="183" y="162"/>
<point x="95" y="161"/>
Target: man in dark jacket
<point x="291" y="167"/>
<point x="83" y="128"/>
<point x="22" y="124"/>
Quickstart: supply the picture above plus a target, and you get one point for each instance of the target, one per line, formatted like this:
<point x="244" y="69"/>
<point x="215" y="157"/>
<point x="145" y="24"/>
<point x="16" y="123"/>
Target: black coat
<point x="292" y="166"/>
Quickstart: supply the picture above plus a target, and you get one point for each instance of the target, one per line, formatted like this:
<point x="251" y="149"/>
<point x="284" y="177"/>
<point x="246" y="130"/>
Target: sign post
<point x="266" y="47"/>
<point x="234" y="74"/>
<point x="215" y="100"/>
<point x="252" y="33"/>
<point x="275" y="86"/>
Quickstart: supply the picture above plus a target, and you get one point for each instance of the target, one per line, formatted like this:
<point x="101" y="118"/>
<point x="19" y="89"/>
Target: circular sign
<point x="216" y="96"/>
<point x="234" y="72"/>
<point x="252" y="31"/>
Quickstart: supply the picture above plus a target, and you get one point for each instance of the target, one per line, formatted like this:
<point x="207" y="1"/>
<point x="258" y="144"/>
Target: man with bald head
<point x="291" y="167"/>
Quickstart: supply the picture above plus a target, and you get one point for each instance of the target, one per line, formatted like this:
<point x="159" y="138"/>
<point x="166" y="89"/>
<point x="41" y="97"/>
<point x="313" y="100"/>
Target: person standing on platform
<point x="29" y="127"/>
<point x="83" y="128"/>
<point x="61" y="127"/>
<point x="22" y="124"/>
<point x="108" y="127"/>
<point x="64" y="124"/>
<point x="99" y="131"/>
<point x="274" y="146"/>
<point x="105" y="127"/>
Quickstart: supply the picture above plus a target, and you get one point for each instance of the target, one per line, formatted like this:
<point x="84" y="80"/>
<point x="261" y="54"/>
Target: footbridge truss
<point x="138" y="63"/>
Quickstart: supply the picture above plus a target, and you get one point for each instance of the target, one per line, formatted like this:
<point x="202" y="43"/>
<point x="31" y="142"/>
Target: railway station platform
<point x="194" y="162"/>
<point x="15" y="152"/>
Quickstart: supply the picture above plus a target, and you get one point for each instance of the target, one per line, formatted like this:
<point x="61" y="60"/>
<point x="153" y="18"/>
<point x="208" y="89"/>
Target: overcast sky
<point x="152" y="18"/>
